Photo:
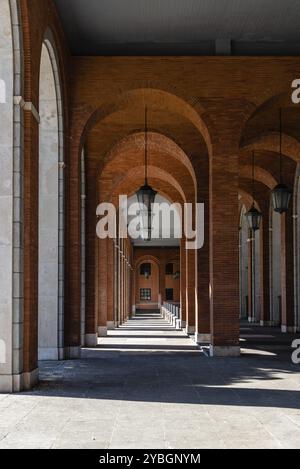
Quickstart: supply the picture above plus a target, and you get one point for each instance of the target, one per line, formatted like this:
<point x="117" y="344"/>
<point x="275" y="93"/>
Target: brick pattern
<point x="208" y="113"/>
<point x="159" y="281"/>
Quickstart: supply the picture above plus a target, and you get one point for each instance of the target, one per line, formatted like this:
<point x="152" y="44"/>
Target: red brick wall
<point x="209" y="106"/>
<point x="36" y="17"/>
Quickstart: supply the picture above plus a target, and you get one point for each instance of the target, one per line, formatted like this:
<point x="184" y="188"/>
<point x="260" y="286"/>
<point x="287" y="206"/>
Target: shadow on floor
<point x="264" y="375"/>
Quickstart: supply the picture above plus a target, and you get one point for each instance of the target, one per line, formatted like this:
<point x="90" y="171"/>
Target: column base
<point x="202" y="338"/>
<point x="183" y="324"/>
<point x="270" y="323"/>
<point x="91" y="340"/>
<point x="224" y="351"/>
<point x="178" y="324"/>
<point x="16" y="383"/>
<point x="30" y="379"/>
<point x="102" y="331"/>
<point x="61" y="353"/>
<point x="251" y="319"/>
<point x="110" y="325"/>
<point x="72" y="353"/>
<point x="190" y="329"/>
<point x="48" y="353"/>
<point x="11" y="383"/>
<point x="288" y="329"/>
<point x="265" y="323"/>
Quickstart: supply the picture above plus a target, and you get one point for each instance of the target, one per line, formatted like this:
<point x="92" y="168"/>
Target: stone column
<point x="183" y="282"/>
<point x="203" y="316"/>
<point x="110" y="284"/>
<point x="31" y="198"/>
<point x="287" y="272"/>
<point x="162" y="281"/>
<point x="72" y="318"/>
<point x="116" y="282"/>
<point x="92" y="267"/>
<point x="133" y="292"/>
<point x="102" y="288"/>
<point x="11" y="208"/>
<point x="251" y="273"/>
<point x="119" y="285"/>
<point x="249" y="254"/>
<point x="122" y="280"/>
<point x="125" y="285"/>
<point x="191" y="290"/>
<point x="265" y="267"/>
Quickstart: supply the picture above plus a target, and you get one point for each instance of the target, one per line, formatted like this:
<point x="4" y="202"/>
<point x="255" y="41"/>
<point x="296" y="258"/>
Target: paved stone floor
<point x="149" y="386"/>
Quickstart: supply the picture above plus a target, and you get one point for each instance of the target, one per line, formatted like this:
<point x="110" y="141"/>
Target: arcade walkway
<point x="148" y="386"/>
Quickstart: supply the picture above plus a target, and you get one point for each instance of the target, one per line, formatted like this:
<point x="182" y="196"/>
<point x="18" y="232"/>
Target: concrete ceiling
<point x="181" y="27"/>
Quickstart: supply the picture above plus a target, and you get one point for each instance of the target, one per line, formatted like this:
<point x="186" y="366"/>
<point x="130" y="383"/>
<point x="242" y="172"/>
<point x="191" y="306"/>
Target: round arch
<point x="163" y="98"/>
<point x="51" y="206"/>
<point x="150" y="285"/>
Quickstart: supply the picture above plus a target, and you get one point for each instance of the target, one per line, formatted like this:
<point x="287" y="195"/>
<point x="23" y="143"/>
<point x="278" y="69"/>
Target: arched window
<point x="145" y="269"/>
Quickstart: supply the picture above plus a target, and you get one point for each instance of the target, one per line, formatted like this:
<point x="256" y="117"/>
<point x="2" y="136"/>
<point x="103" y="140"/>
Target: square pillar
<point x="91" y="271"/>
<point x="265" y="266"/>
<point x="287" y="272"/>
<point x="101" y="287"/>
<point x="203" y="316"/>
<point x="183" y="282"/>
<point x="191" y="290"/>
<point x="224" y="239"/>
<point x="110" y="284"/>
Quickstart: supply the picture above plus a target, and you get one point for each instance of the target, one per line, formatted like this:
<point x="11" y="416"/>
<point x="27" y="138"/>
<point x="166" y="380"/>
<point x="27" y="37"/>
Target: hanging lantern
<point x="253" y="215"/>
<point x="145" y="270"/>
<point x="254" y="218"/>
<point x="281" y="196"/>
<point x="176" y="275"/>
<point x="146" y="195"/>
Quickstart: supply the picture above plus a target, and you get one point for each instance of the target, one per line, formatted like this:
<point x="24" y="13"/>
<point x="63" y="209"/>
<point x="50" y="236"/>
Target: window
<point x="169" y="269"/>
<point x="145" y="294"/>
<point x="145" y="269"/>
<point x="169" y="294"/>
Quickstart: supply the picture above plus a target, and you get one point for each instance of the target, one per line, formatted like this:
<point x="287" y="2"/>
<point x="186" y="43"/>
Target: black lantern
<point x="253" y="215"/>
<point x="176" y="275"/>
<point x="146" y="195"/>
<point x="145" y="270"/>
<point x="281" y="194"/>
